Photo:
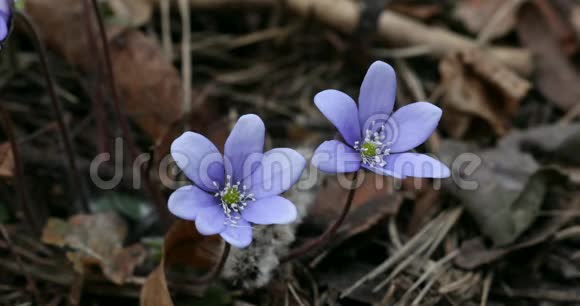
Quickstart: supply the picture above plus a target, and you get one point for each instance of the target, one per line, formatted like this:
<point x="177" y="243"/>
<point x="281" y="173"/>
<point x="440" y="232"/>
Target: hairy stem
<point x="75" y="176"/>
<point x="324" y="238"/>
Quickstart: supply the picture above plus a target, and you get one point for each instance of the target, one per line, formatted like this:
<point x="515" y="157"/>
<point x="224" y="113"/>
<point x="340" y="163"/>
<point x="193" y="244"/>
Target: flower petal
<point x="341" y="110"/>
<point x="239" y="235"/>
<point x="210" y="220"/>
<point x="272" y="210"/>
<point x="411" y="125"/>
<point x="377" y="93"/>
<point x="277" y="172"/>
<point x="416" y="165"/>
<point x="4" y="23"/>
<point x="199" y="159"/>
<point x="382" y="171"/>
<point x="334" y="156"/>
<point x="244" y="146"/>
<point x="187" y="201"/>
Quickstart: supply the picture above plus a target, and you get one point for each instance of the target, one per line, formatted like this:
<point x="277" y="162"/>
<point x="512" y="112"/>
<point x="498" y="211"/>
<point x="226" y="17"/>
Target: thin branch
<point x="75" y="176"/>
<point x="121" y="116"/>
<point x="20" y="177"/>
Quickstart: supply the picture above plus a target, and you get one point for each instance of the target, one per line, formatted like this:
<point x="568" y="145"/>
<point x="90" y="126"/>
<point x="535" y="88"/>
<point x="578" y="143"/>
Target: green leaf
<point x="131" y="206"/>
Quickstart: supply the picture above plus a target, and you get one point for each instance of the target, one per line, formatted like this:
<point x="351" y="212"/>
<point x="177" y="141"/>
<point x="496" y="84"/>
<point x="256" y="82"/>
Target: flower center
<point x="233" y="200"/>
<point x="368" y="149"/>
<point x="373" y="148"/>
<point x="231" y="196"/>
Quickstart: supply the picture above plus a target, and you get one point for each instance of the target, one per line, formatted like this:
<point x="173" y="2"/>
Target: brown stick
<point x="393" y="28"/>
<point x="25" y="204"/>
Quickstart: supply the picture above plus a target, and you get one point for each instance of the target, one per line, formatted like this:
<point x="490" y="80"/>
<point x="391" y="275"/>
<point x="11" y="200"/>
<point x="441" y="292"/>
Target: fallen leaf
<point x="149" y="85"/>
<point x="6" y="161"/>
<point x="556" y="75"/>
<point x="476" y="15"/>
<point x="373" y="201"/>
<point x="475" y="86"/>
<point x="511" y="188"/>
<point x="474" y="253"/>
<point x="96" y="240"/>
<point x="183" y="245"/>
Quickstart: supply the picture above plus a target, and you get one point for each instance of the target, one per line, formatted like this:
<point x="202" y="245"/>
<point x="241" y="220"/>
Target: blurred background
<point x="504" y="72"/>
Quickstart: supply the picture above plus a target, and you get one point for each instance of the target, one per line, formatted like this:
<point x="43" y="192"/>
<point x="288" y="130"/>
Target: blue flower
<point x="5" y="18"/>
<point x="241" y="188"/>
<point x="373" y="137"/>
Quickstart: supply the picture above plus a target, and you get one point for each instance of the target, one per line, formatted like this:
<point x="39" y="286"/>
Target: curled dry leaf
<point x="149" y="85"/>
<point x="475" y="86"/>
<point x="183" y="245"/>
<point x="96" y="240"/>
<point x="6" y="161"/>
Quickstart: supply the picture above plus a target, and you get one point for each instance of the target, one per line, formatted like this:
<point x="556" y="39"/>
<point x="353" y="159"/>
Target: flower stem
<point x="121" y="116"/>
<point x="75" y="176"/>
<point x="323" y="239"/>
<point x="29" y="212"/>
<point x="215" y="272"/>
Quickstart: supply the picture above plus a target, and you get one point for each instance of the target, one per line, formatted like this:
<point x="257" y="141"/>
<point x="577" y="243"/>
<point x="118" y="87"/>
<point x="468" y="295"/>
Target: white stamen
<point x="375" y="138"/>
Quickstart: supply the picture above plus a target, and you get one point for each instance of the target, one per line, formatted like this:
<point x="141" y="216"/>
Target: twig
<point x="75" y="176"/>
<point x="186" y="73"/>
<point x="98" y="94"/>
<point x="166" y="29"/>
<point x="20" y="177"/>
<point x="322" y="239"/>
<point x="394" y="28"/>
<point x="31" y="284"/>
<point x="122" y="118"/>
<point x="486" y="288"/>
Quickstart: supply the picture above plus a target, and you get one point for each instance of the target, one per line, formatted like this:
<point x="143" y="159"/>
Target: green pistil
<point x="232" y="196"/>
<point x="369" y="149"/>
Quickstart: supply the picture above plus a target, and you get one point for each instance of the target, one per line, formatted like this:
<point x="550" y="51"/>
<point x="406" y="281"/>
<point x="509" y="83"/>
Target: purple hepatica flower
<point x="5" y="18"/>
<point x="373" y="137"/>
<point x="238" y="189"/>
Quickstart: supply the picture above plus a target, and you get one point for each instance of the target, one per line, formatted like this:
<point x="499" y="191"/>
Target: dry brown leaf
<point x="184" y="245"/>
<point x="135" y="12"/>
<point x="556" y="75"/>
<point x="476" y="15"/>
<point x="96" y="240"/>
<point x="149" y="85"/>
<point x="373" y="201"/>
<point x="475" y="86"/>
<point x="6" y="160"/>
